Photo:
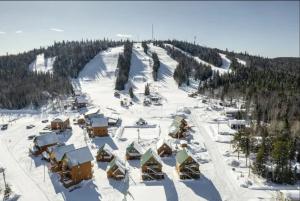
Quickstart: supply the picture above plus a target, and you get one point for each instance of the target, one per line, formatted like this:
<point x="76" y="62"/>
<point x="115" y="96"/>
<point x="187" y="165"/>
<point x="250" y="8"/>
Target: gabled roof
<point x="60" y="119"/>
<point x="149" y="154"/>
<point x="120" y="164"/>
<point x="175" y="126"/>
<point x="236" y="121"/>
<point x="92" y="112"/>
<point x="106" y="148"/>
<point x="163" y="141"/>
<point x="136" y="146"/>
<point x="59" y="151"/>
<point x="46" y="139"/>
<point x="78" y="156"/>
<point x="183" y="155"/>
<point x="99" y="122"/>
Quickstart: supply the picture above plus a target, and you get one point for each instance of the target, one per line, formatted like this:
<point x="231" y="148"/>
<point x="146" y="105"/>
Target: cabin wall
<point x="82" y="172"/>
<point x="100" y="131"/>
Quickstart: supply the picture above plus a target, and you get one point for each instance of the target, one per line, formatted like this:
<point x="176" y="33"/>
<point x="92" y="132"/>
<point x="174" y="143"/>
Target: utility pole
<point x="195" y="37"/>
<point x="152" y="33"/>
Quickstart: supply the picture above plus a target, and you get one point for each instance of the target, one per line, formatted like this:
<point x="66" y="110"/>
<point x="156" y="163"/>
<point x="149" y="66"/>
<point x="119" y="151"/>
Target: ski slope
<point x="225" y="61"/>
<point x="42" y="64"/>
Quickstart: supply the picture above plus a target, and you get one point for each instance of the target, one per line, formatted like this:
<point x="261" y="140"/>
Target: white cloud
<point x="57" y="30"/>
<point x="19" y="32"/>
<point x="2" y="32"/>
<point x="124" y="35"/>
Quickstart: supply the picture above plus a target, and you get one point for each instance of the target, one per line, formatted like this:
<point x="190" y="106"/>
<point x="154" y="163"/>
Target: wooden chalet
<point x="116" y="169"/>
<point x="134" y="151"/>
<point x="187" y="167"/>
<point x="80" y="102"/>
<point x="76" y="166"/>
<point x="178" y="128"/>
<point x="42" y="142"/>
<point x="98" y="127"/>
<point x="164" y="148"/>
<point x="56" y="155"/>
<point x="151" y="166"/>
<point x="105" y="153"/>
<point x="81" y="120"/>
<point x="60" y="124"/>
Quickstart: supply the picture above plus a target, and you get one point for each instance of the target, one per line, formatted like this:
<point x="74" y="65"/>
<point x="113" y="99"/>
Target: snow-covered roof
<point x="81" y="99"/>
<point x="106" y="148"/>
<point x="60" y="119"/>
<point x="236" y="121"/>
<point x="59" y="151"/>
<point x="234" y="110"/>
<point x="148" y="154"/>
<point x="136" y="146"/>
<point x="117" y="161"/>
<point x="92" y="112"/>
<point x="46" y="139"/>
<point x="224" y="128"/>
<point x="99" y="122"/>
<point x="79" y="156"/>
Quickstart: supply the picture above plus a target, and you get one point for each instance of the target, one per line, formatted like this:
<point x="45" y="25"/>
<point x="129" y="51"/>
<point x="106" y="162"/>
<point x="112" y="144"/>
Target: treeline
<point x="145" y="47"/>
<point x="19" y="87"/>
<point x="204" y="53"/>
<point x="156" y="65"/>
<point x="271" y="90"/>
<point x="123" y="66"/>
<point x="187" y="67"/>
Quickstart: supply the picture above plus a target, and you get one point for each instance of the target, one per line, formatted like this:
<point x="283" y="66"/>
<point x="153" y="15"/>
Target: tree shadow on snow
<point x="86" y="190"/>
<point x="204" y="188"/>
<point x="164" y="72"/>
<point x="168" y="184"/>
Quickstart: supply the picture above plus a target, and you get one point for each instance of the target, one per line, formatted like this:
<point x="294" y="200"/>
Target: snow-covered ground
<point x="31" y="178"/>
<point x="42" y="64"/>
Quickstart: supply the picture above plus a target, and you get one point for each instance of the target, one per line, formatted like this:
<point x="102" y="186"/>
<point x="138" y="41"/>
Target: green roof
<point x="134" y="146"/>
<point x="181" y="156"/>
<point x="147" y="155"/>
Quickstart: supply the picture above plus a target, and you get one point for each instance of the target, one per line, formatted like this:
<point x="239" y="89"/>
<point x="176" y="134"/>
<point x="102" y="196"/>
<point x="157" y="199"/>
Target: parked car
<point x="30" y="126"/>
<point x="4" y="126"/>
<point x="31" y="137"/>
<point x="45" y="121"/>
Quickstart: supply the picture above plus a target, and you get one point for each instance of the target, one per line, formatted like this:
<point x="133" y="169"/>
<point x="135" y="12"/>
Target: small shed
<point x="134" y="151"/>
<point x="42" y="142"/>
<point x="187" y="166"/>
<point x="80" y="102"/>
<point x="76" y="166"/>
<point x="98" y="127"/>
<point x="105" y="153"/>
<point x="164" y="148"/>
<point x="116" y="169"/>
<point x="61" y="123"/>
<point x="151" y="166"/>
<point x="56" y="155"/>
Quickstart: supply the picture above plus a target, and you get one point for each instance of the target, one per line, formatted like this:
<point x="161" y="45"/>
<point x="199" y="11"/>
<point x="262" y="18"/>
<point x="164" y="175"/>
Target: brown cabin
<point x="178" y="128"/>
<point x="105" y="153"/>
<point x="76" y="166"/>
<point x="133" y="151"/>
<point x="116" y="169"/>
<point x="56" y="155"/>
<point x="164" y="148"/>
<point x="60" y="124"/>
<point x="151" y="166"/>
<point x="98" y="127"/>
<point x="41" y="143"/>
<point x="187" y="166"/>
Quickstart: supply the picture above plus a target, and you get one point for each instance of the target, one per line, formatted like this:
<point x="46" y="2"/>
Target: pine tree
<point x="147" y="90"/>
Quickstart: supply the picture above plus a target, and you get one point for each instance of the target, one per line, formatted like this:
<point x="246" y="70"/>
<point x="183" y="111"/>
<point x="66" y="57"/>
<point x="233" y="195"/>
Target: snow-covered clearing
<point x="42" y="64"/>
<point x="241" y="61"/>
<point x="31" y="178"/>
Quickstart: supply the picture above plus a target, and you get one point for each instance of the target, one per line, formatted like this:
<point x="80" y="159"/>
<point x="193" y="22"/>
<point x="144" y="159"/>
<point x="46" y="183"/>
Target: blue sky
<point x="268" y="28"/>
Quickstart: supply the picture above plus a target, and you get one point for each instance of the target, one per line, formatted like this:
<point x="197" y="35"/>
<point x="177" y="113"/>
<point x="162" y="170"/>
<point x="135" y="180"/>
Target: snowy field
<point x="31" y="178"/>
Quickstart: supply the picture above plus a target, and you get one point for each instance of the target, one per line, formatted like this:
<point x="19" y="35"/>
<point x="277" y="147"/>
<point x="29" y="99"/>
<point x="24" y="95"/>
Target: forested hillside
<point x="19" y="87"/>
